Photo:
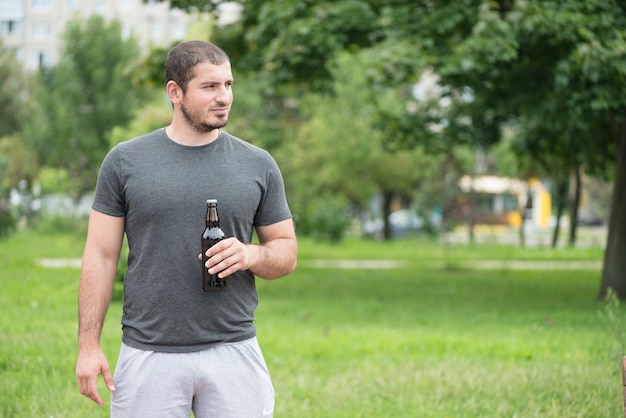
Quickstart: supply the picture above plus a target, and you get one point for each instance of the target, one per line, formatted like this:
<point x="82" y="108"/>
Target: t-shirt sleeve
<point x="108" y="198"/>
<point x="273" y="207"/>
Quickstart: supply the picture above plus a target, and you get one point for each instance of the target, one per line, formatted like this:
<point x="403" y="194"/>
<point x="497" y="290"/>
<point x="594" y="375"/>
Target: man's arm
<point x="102" y="251"/>
<point x="275" y="255"/>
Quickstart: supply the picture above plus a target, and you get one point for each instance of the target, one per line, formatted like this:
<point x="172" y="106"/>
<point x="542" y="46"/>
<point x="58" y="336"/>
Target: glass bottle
<point x="212" y="234"/>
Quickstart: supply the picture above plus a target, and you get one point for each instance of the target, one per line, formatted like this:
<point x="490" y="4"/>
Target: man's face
<point x="206" y="103"/>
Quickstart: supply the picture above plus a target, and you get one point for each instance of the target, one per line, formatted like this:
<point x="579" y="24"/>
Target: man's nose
<point x="224" y="94"/>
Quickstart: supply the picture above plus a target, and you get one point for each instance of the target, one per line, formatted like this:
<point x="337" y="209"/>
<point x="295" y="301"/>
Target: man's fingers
<point x="227" y="257"/>
<point x="89" y="365"/>
<point x="108" y="379"/>
<point x="89" y="388"/>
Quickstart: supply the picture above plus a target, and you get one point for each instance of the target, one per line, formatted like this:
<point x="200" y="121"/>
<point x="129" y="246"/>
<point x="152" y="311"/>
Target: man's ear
<point x="174" y="92"/>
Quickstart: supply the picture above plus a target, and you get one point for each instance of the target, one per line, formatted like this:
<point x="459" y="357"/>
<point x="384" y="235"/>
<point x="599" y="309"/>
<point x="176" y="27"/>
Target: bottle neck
<point x="212" y="217"/>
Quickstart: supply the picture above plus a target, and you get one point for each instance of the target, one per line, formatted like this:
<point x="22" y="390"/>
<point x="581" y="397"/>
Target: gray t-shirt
<point x="161" y="188"/>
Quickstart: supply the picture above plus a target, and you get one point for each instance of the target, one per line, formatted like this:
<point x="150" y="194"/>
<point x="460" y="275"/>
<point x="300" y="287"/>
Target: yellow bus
<point x="502" y="201"/>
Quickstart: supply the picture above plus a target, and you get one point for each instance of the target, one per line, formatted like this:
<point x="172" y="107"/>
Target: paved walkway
<point x="355" y="264"/>
<point x="471" y="264"/>
<point x="393" y="264"/>
<point x="532" y="265"/>
<point x="59" y="262"/>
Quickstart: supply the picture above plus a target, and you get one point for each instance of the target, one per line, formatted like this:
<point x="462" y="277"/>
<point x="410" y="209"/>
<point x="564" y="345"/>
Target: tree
<point x="12" y="92"/>
<point x="340" y="144"/>
<point x="16" y="162"/>
<point x="83" y="98"/>
<point x="18" y="168"/>
<point x="555" y="62"/>
<point x="292" y="42"/>
<point x="562" y="63"/>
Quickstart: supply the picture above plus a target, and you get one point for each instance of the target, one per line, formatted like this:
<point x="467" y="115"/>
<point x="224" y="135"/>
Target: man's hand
<point x="227" y="257"/>
<point x="275" y="256"/>
<point x="91" y="363"/>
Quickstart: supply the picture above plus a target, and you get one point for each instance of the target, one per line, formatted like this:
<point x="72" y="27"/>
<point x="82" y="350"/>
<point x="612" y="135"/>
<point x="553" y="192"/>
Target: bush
<point x="327" y="219"/>
<point x="122" y="268"/>
<point x="56" y="224"/>
<point x="8" y="221"/>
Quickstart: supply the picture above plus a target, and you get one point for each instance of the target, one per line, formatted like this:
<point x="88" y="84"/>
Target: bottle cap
<point x="211" y="201"/>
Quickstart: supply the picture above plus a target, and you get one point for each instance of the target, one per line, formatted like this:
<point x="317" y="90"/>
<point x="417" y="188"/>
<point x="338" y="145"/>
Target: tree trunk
<point x="522" y="229"/>
<point x="614" y="269"/>
<point x="471" y="221"/>
<point x="574" y="205"/>
<point x="561" y="188"/>
<point x="523" y="210"/>
<point x="387" y="198"/>
<point x="555" y="233"/>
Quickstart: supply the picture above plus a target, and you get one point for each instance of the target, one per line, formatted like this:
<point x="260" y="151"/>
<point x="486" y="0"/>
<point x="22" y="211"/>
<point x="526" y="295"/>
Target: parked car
<point x="586" y="218"/>
<point x="402" y="222"/>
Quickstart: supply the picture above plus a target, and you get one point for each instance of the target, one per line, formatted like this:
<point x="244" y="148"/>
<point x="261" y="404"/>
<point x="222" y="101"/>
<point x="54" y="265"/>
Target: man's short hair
<point x="183" y="58"/>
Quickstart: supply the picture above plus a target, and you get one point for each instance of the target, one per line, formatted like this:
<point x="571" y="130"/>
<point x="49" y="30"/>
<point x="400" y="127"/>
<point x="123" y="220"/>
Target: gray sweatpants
<point x="228" y="380"/>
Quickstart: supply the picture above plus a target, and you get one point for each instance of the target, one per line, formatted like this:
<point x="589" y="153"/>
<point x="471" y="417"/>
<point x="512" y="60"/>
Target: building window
<point x="72" y="5"/>
<point x="39" y="59"/>
<point x="43" y="59"/>
<point x="42" y="4"/>
<point x="11" y="8"/>
<point x="9" y="27"/>
<point x="155" y="34"/>
<point x="178" y="32"/>
<point x="40" y="30"/>
<point x="127" y="31"/>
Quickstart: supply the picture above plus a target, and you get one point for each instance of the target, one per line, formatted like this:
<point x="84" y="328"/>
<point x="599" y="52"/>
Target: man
<point x="183" y="349"/>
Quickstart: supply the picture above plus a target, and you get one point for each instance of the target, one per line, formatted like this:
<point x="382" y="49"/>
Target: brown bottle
<point x="212" y="234"/>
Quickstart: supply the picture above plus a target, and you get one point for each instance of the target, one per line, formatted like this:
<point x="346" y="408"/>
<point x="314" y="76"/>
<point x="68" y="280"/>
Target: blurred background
<point x="466" y="120"/>
<point x="456" y="170"/>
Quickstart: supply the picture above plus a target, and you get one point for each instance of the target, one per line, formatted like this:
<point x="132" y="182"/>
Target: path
<point x="393" y="264"/>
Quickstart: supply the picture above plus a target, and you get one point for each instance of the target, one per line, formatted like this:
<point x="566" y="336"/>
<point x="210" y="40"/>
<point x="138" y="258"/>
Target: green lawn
<point x="429" y="338"/>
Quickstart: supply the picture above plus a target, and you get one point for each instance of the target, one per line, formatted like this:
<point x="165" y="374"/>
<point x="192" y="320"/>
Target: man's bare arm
<point x="277" y="253"/>
<point x="100" y="258"/>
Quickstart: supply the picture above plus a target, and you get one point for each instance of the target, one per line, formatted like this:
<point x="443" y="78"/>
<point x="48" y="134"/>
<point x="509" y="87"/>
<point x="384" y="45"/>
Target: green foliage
<point x="554" y="70"/>
<point x="292" y="42"/>
<point x="555" y="65"/>
<point x="258" y="116"/>
<point x="195" y="5"/>
<point x="85" y="96"/>
<point x="19" y="163"/>
<point x="614" y="317"/>
<point x="62" y="225"/>
<point x="18" y="168"/>
<point x="299" y="38"/>
<point x="324" y="219"/>
<point x="148" y="72"/>
<point x="55" y="180"/>
<point x="12" y="83"/>
<point x="120" y="273"/>
<point x="154" y="116"/>
<point x="340" y="151"/>
<point x="8" y="219"/>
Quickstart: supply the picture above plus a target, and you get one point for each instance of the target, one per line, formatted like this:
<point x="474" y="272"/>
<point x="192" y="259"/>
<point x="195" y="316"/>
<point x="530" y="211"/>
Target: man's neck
<point x="185" y="135"/>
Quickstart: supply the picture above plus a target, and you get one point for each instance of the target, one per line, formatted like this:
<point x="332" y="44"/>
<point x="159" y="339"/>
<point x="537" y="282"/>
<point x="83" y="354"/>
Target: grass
<point x="432" y="338"/>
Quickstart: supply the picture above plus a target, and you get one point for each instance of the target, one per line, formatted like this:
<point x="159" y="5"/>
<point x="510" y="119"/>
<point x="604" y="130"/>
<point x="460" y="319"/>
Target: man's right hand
<point x="92" y="362"/>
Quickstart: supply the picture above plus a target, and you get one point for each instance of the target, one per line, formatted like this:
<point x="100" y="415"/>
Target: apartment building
<point x="33" y="28"/>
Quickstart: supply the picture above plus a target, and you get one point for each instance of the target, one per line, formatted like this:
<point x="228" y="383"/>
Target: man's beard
<point x="195" y="121"/>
